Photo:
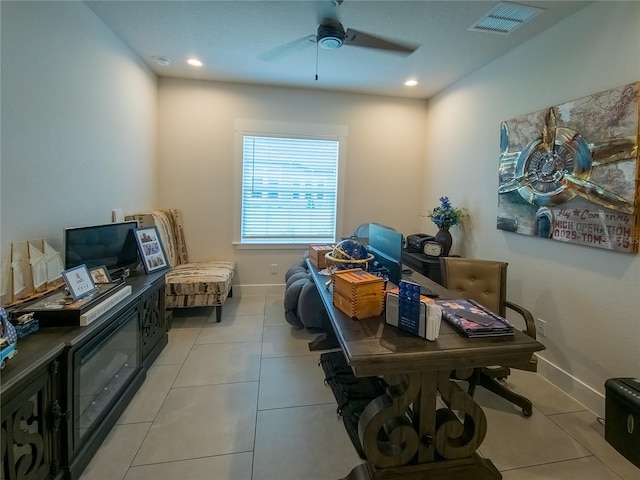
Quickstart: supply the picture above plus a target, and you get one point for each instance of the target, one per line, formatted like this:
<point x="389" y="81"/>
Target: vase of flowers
<point x="445" y="216"/>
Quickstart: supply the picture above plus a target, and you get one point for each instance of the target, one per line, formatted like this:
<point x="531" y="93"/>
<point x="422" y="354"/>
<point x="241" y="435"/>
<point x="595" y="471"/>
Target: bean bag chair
<point x="291" y="296"/>
<point x="303" y="306"/>
<point x="293" y="270"/>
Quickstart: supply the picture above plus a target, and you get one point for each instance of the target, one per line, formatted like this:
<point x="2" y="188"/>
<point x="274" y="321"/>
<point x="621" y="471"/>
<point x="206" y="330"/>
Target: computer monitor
<point x="386" y="244"/>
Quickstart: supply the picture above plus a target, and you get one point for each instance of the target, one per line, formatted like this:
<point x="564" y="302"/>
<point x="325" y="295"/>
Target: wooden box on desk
<point x="317" y="255"/>
<point x="357" y="293"/>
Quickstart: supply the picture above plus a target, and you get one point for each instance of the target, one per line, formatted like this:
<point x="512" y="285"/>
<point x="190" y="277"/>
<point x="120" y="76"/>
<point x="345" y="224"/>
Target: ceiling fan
<point x="332" y="35"/>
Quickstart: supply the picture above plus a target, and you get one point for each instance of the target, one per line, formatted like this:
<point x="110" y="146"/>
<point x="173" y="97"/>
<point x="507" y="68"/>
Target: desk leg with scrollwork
<point x="406" y="437"/>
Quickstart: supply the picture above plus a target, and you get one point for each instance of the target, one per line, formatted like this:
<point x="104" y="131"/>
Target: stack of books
<point x="473" y="319"/>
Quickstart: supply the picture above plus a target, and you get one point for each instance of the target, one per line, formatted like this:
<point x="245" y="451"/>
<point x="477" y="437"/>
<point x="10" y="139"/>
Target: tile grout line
<point x="594" y="454"/>
<point x="171" y="387"/>
<point x="255" y="425"/>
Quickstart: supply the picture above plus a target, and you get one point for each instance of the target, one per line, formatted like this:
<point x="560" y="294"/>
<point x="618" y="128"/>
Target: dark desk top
<point x="375" y="348"/>
<point x="47" y="343"/>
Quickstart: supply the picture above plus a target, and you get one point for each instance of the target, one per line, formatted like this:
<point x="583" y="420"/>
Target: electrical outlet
<point x="274" y="268"/>
<point x="541" y="327"/>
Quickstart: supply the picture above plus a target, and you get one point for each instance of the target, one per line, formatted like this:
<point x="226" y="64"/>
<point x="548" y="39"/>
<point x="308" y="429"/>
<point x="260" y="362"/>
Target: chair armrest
<point x="526" y="314"/>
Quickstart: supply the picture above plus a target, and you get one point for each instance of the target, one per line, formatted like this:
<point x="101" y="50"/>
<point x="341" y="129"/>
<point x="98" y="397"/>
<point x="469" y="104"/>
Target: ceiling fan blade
<point x="327" y="9"/>
<point x="361" y="39"/>
<point x="288" y="48"/>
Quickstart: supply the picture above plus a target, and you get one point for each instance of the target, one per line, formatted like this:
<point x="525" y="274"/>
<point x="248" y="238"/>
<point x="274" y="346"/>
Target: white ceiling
<point x="230" y="36"/>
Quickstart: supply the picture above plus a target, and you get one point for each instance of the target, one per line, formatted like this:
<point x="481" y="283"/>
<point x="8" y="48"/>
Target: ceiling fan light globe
<point x="330" y="36"/>
<point x="330" y="43"/>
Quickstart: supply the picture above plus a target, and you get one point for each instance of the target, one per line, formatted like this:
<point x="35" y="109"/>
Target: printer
<point x="415" y="242"/>
<point x="622" y="417"/>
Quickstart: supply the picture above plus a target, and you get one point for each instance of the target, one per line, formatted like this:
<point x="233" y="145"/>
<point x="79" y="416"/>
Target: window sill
<point x="276" y="246"/>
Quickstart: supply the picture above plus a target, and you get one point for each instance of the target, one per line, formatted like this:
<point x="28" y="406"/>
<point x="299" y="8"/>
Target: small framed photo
<point x="100" y="275"/>
<point x="151" y="249"/>
<point x="79" y="282"/>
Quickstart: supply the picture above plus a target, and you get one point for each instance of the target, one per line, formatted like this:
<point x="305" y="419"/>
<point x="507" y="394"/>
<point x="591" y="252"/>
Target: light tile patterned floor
<point x="244" y="400"/>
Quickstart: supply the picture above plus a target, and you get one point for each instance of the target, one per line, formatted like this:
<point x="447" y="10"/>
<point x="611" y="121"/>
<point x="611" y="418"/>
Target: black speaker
<point x="622" y="417"/>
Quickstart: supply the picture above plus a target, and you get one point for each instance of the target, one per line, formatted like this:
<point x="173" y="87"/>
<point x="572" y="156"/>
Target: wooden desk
<point x="433" y="443"/>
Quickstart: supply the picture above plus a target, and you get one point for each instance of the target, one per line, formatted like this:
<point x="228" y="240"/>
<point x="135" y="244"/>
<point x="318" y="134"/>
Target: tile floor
<point x="244" y="399"/>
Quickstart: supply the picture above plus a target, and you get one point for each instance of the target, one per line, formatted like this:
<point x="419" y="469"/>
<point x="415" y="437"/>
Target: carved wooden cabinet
<point x="152" y="324"/>
<point x="31" y="435"/>
<point x="67" y="386"/>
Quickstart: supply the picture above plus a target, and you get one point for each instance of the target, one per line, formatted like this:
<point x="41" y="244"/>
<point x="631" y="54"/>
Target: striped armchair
<point x="188" y="284"/>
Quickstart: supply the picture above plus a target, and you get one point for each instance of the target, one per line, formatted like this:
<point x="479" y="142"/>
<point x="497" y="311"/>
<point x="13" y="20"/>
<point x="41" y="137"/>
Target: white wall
<point x="78" y="122"/>
<point x="589" y="297"/>
<point x="385" y="156"/>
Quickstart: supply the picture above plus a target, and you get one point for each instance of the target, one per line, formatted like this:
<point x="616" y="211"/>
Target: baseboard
<point x="578" y="390"/>
<point x="258" y="290"/>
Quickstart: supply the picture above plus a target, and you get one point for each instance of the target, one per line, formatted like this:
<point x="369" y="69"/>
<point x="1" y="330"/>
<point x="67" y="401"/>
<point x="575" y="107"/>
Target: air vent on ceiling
<point x="504" y="18"/>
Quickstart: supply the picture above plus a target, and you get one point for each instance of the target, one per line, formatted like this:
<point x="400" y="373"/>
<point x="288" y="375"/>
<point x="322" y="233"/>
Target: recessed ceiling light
<point x="162" y="61"/>
<point x="194" y="62"/>
<point x="411" y="83"/>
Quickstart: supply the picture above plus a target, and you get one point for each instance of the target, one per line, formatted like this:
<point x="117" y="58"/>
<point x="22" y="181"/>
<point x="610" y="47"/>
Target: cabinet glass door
<point x="102" y="370"/>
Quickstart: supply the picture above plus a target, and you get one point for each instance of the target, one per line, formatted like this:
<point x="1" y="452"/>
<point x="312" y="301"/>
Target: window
<point x="289" y="189"/>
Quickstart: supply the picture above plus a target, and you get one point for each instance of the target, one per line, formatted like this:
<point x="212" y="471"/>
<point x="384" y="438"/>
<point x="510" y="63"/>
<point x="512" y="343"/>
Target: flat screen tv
<point x="112" y="245"/>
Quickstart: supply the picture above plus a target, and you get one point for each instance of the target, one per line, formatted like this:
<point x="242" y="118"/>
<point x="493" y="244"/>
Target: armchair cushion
<point x="199" y="284"/>
<point x="188" y="284"/>
<point x="482" y="280"/>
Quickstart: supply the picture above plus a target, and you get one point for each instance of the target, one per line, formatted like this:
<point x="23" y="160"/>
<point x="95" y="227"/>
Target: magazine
<point x="473" y="319"/>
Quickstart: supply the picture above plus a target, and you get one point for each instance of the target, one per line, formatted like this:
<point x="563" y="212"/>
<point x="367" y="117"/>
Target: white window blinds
<point x="289" y="190"/>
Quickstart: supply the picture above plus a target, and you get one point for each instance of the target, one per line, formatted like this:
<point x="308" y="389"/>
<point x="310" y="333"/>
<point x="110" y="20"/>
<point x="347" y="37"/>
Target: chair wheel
<point x="527" y="412"/>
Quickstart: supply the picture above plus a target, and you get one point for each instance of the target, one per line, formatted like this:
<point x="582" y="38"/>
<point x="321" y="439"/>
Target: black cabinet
<point x="31" y="435"/>
<point x="427" y="266"/>
<point x="105" y="371"/>
<point x="153" y="330"/>
<point x="67" y="386"/>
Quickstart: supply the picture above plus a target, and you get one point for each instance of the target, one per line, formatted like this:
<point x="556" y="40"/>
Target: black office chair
<point x="485" y="281"/>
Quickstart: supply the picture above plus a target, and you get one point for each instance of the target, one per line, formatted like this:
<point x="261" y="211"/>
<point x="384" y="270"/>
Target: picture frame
<point x="586" y="192"/>
<point x="100" y="275"/>
<point x="79" y="282"/>
<point x="151" y="249"/>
